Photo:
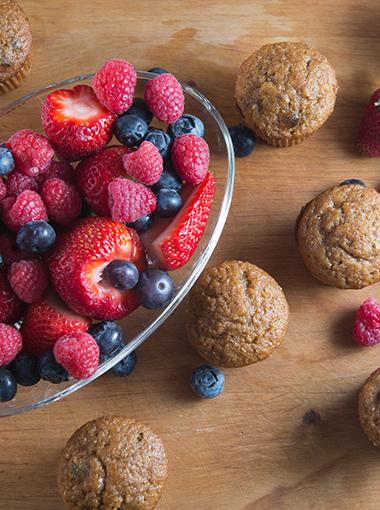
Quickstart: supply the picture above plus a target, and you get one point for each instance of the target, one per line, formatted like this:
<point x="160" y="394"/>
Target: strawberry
<point x="369" y="130"/>
<point x="77" y="262"/>
<point x="172" y="242"/>
<point x="93" y="174"/>
<point x="48" y="320"/>
<point x="75" y="122"/>
<point x="10" y="305"/>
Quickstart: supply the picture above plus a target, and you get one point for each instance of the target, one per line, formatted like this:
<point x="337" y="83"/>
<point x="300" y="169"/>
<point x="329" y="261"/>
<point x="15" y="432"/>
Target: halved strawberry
<point x="78" y="260"/>
<point x="93" y="174"/>
<point x="48" y="320"/>
<point x="75" y="122"/>
<point x="172" y="242"/>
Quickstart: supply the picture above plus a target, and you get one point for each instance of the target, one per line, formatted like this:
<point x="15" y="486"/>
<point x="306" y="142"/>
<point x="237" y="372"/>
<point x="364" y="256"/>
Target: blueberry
<point x="7" y="163"/>
<point x="2" y="262"/>
<point x="207" y="381"/>
<point x="130" y="130"/>
<point x="243" y="140"/>
<point x="158" y="70"/>
<point x="155" y="288"/>
<point x="140" y="109"/>
<point x="121" y="274"/>
<point x="108" y="335"/>
<point x="8" y="385"/>
<point x="160" y="139"/>
<point x="169" y="202"/>
<point x="50" y="370"/>
<point x="168" y="180"/>
<point x="24" y="368"/>
<point x="187" y="124"/>
<point x="142" y="224"/>
<point x="356" y="182"/>
<point x="35" y="237"/>
<point x="125" y="366"/>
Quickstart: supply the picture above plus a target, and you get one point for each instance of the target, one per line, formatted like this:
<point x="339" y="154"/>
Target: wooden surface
<point x="252" y="448"/>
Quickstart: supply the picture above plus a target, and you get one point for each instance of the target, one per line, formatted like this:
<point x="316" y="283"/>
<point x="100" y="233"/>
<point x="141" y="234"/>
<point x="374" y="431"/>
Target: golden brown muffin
<point x="285" y="91"/>
<point x="369" y="407"/>
<point x="237" y="315"/>
<point x="15" y="46"/>
<point x="112" y="463"/>
<point x="338" y="236"/>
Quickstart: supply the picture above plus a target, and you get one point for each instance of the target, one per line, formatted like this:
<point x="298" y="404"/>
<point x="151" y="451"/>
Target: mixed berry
<point x="92" y="224"/>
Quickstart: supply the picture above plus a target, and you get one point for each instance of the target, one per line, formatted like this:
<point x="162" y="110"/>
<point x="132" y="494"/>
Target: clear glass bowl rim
<point x="199" y="265"/>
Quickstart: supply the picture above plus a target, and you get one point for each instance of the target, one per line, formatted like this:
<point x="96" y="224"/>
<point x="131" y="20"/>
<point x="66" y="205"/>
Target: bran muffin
<point x="338" y="236"/>
<point x="15" y="46"/>
<point x="237" y="314"/>
<point x="369" y="407"/>
<point x="112" y="463"/>
<point x="285" y="91"/>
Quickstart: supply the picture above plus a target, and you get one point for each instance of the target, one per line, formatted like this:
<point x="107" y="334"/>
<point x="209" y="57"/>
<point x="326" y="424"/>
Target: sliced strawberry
<point x="48" y="320"/>
<point x="77" y="263"/>
<point x="93" y="174"/>
<point x="172" y="242"/>
<point x="75" y="122"/>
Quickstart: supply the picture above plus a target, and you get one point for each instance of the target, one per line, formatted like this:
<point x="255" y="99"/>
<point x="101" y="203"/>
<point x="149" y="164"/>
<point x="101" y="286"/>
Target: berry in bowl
<point x="114" y="191"/>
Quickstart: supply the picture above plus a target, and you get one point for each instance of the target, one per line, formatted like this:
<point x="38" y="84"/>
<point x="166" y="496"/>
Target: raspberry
<point x="10" y="306"/>
<point x="9" y="249"/>
<point x="63" y="202"/>
<point x="32" y="152"/>
<point x="78" y="353"/>
<point x="366" y="330"/>
<point x="145" y="164"/>
<point x="3" y="189"/>
<point x="191" y="157"/>
<point x="114" y="85"/>
<point x="28" y="206"/>
<point x="59" y="170"/>
<point x="10" y="343"/>
<point x="164" y="97"/>
<point x="129" y="200"/>
<point x="28" y="279"/>
<point x="18" y="182"/>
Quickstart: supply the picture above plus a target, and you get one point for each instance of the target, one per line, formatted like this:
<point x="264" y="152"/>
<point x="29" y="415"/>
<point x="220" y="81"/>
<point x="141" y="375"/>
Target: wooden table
<point x="257" y="446"/>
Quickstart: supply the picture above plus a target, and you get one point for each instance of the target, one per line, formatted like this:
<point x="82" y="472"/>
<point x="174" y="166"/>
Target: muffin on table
<point x="112" y="462"/>
<point x="237" y="314"/>
<point x="15" y="46"/>
<point x="285" y="91"/>
<point x="369" y="407"/>
<point x="338" y="236"/>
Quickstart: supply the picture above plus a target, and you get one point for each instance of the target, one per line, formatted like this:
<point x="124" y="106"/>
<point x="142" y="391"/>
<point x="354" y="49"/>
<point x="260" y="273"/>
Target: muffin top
<point x="286" y="90"/>
<point x="369" y="407"/>
<point x="15" y="39"/>
<point x="112" y="462"/>
<point x="237" y="314"/>
<point x="338" y="236"/>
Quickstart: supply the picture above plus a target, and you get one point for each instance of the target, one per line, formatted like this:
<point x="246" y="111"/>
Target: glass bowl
<point x="25" y="113"/>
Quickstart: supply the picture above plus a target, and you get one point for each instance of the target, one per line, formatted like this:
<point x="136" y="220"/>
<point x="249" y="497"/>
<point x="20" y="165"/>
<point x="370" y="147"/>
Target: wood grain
<point x="252" y="448"/>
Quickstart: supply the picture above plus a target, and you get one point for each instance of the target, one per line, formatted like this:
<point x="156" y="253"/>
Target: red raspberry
<point x="78" y="353"/>
<point x="28" y="279"/>
<point x="9" y="249"/>
<point x="366" y="329"/>
<point x="10" y="343"/>
<point x="129" y="200"/>
<point x="32" y="152"/>
<point x="18" y="182"/>
<point x="63" y="202"/>
<point x="191" y="157"/>
<point x="58" y="169"/>
<point x="369" y="130"/>
<point x="3" y="189"/>
<point x="10" y="306"/>
<point x="164" y="97"/>
<point x="28" y="206"/>
<point x="145" y="164"/>
<point x="115" y="84"/>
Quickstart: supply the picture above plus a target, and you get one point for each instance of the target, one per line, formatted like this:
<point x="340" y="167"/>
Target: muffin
<point x="369" y="407"/>
<point x="237" y="314"/>
<point x="112" y="463"/>
<point x="15" y="46"/>
<point x="285" y="91"/>
<point x="338" y="236"/>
